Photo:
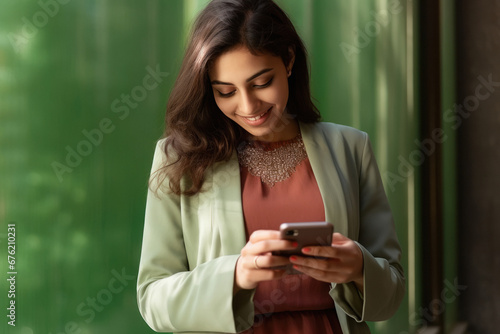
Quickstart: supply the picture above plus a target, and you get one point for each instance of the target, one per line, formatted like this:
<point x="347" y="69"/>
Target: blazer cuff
<point x="243" y="310"/>
<point x="348" y="297"/>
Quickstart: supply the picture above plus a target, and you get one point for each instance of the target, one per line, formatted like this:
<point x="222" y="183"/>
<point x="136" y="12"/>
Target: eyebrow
<point x="256" y="75"/>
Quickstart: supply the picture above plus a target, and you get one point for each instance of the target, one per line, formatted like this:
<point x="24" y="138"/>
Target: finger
<point x="321" y="251"/>
<point x="273" y="261"/>
<point x="314" y="273"/>
<point x="261" y="235"/>
<point x="307" y="270"/>
<point x="341" y="247"/>
<point x="338" y="238"/>
<point x="318" y="264"/>
<point x="263" y="262"/>
<point x="249" y="279"/>
<point x="267" y="246"/>
<point x="329" y="277"/>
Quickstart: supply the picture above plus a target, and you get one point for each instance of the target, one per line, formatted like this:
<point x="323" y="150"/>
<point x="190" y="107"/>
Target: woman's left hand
<point x="342" y="262"/>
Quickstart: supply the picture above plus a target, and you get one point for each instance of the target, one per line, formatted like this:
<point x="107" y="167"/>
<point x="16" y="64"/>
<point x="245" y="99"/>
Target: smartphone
<point x="305" y="234"/>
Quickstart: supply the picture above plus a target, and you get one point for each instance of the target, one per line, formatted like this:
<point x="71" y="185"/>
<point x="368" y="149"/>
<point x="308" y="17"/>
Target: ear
<point x="292" y="60"/>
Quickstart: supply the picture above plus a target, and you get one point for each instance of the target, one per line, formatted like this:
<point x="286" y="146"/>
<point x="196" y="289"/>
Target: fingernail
<point x="306" y="250"/>
<point x="293" y="258"/>
<point x="295" y="244"/>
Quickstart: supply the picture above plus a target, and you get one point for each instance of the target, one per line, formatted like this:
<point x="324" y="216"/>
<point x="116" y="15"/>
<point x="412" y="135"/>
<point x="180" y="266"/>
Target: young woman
<point x="243" y="152"/>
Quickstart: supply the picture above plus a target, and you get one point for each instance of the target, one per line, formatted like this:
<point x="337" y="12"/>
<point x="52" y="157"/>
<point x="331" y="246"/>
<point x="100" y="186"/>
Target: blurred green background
<point x="83" y="89"/>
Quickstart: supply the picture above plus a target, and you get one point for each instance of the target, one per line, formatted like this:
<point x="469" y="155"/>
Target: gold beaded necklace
<point x="273" y="162"/>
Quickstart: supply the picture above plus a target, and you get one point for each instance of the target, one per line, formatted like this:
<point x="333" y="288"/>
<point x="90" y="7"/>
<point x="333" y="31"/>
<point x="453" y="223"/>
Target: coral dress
<point x="295" y="303"/>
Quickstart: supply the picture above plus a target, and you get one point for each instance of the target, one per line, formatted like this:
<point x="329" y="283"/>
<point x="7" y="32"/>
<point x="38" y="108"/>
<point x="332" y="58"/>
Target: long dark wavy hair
<point x="197" y="133"/>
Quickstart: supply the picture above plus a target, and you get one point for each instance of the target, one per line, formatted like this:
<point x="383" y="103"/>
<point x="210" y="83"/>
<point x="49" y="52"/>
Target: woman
<point x="244" y="151"/>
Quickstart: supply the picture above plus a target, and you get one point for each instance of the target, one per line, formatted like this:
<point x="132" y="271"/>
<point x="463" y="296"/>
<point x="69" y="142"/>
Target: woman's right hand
<point x="256" y="262"/>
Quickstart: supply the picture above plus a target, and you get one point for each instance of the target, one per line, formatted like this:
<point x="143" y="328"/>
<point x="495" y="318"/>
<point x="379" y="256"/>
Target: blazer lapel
<point x="326" y="171"/>
<point x="228" y="209"/>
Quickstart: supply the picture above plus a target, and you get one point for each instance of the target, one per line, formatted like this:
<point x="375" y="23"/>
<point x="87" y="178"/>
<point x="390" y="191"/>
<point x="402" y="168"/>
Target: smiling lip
<point x="257" y="120"/>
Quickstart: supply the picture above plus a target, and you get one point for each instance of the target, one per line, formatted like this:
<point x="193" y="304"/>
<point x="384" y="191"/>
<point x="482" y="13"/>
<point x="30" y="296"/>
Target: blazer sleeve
<point x="384" y="282"/>
<point x="174" y="295"/>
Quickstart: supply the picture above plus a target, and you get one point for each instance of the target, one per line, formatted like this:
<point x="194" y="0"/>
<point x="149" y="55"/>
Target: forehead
<point x="240" y="64"/>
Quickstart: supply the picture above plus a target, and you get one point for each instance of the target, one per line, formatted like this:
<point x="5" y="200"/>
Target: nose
<point x="248" y="104"/>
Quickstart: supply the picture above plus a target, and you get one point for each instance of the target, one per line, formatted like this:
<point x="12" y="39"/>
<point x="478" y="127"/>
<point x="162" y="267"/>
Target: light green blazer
<point x="191" y="244"/>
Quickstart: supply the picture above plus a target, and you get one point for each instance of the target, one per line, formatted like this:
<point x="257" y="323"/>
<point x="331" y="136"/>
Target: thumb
<point x="339" y="239"/>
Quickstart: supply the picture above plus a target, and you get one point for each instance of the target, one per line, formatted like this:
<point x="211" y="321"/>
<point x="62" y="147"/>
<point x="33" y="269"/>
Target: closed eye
<point x="226" y="94"/>
<point x="267" y="84"/>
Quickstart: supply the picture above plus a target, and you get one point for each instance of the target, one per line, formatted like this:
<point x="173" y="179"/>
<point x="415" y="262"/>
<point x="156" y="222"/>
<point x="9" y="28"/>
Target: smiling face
<point x="252" y="90"/>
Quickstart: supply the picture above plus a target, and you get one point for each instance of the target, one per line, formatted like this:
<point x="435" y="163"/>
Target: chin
<point x="264" y="135"/>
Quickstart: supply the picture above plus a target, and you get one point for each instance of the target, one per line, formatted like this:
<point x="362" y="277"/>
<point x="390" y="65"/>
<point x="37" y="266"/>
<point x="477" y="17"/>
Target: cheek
<point x="224" y="105"/>
<point x="280" y="93"/>
<point x="277" y="95"/>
